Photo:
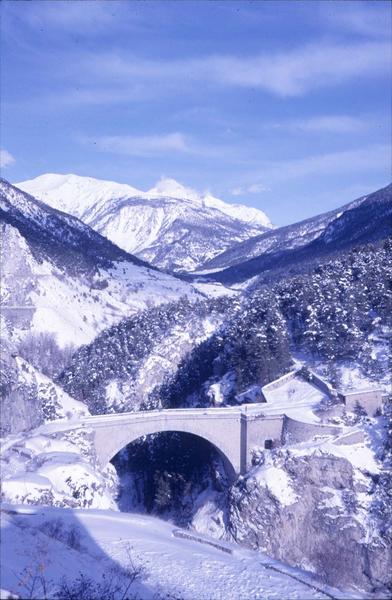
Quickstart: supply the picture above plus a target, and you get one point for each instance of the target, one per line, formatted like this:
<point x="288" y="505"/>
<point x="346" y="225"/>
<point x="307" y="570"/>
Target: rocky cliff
<point x="318" y="508"/>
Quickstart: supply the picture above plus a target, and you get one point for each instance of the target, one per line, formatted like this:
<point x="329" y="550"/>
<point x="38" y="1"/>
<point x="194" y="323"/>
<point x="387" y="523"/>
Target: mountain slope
<point x="282" y="238"/>
<point x="169" y="562"/>
<point x="170" y="188"/>
<point x="366" y="219"/>
<point x="62" y="277"/>
<point x="171" y="226"/>
<point x="121" y="368"/>
<point x="75" y="195"/>
<point x="29" y="398"/>
<point x="56" y="233"/>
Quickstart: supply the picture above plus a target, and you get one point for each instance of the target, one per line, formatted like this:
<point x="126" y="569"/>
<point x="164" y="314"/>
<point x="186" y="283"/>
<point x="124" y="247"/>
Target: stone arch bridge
<point x="233" y="431"/>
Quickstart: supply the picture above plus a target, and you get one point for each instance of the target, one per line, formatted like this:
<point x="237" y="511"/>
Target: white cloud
<point x="328" y="124"/>
<point x="300" y="71"/>
<point x="122" y="77"/>
<point x="376" y="157"/>
<point x="156" y="145"/>
<point x="369" y="19"/>
<point x="89" y="16"/>
<point x="254" y="188"/>
<point x="364" y="161"/>
<point x="6" y="159"/>
<point x="152" y="145"/>
<point x="291" y="73"/>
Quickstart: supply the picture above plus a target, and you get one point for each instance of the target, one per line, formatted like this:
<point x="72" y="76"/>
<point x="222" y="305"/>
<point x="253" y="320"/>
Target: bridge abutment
<point x="261" y="428"/>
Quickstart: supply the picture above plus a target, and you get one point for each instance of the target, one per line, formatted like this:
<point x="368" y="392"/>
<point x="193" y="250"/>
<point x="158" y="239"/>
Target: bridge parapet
<point x="234" y="431"/>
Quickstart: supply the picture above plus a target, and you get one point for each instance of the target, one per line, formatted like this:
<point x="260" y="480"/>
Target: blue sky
<point x="280" y="105"/>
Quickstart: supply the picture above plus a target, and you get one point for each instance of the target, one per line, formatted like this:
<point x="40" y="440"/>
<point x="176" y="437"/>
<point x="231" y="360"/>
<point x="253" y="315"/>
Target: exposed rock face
<point x="28" y="397"/>
<point x="20" y="407"/>
<point x="328" y="528"/>
<point x="17" y="279"/>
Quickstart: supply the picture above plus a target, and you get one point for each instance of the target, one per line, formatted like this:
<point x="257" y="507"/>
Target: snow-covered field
<point x="59" y="543"/>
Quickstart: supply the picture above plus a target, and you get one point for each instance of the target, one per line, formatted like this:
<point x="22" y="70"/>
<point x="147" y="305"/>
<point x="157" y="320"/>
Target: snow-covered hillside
<point x="170" y="226"/>
<point x="75" y="195"/>
<point x="158" y="561"/>
<point x="122" y="369"/>
<point x="60" y="276"/>
<point x="366" y="219"/>
<point x="299" y="235"/>
<point x="29" y="397"/>
<point x="282" y="238"/>
<point x="319" y="502"/>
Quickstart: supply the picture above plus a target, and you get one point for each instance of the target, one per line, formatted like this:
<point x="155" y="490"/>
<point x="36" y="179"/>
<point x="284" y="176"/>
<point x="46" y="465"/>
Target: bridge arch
<point x="228" y="466"/>
<point x="112" y="438"/>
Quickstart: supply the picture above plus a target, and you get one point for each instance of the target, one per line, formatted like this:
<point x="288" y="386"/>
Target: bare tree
<point x="42" y="351"/>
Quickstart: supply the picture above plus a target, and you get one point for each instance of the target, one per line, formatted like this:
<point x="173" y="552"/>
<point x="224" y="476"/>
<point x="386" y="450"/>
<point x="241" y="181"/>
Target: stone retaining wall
<point x="259" y="430"/>
<point x="278" y="382"/>
<point x="297" y="431"/>
<point x="369" y="400"/>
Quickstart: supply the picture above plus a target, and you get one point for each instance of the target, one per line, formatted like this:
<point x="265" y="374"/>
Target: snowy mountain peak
<point x="171" y="226"/>
<point x="170" y="188"/>
<point x="167" y="187"/>
<point x="75" y="194"/>
<point x="247" y="214"/>
<point x="55" y="181"/>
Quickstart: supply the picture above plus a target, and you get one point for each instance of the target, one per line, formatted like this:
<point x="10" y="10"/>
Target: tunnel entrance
<point x="166" y="474"/>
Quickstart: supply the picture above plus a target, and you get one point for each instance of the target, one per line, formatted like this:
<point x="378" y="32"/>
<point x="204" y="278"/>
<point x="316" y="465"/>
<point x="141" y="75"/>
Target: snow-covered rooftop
<point x="295" y="397"/>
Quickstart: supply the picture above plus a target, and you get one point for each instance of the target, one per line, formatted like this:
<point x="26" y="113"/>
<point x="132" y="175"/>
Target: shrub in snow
<point x="70" y="536"/>
<point x="258" y="457"/>
<point x="42" y="351"/>
<point x="115" y="584"/>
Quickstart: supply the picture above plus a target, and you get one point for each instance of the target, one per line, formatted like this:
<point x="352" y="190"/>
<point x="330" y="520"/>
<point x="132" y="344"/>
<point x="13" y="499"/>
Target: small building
<point x="304" y="388"/>
<point x="370" y="400"/>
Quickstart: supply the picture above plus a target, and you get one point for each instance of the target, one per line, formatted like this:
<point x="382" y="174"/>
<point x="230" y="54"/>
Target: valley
<point x="240" y="392"/>
<point x="195" y="300"/>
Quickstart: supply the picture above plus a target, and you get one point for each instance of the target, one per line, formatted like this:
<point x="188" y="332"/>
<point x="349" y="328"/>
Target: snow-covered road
<point x="185" y="568"/>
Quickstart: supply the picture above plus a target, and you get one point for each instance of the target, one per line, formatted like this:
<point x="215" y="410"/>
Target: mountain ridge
<point x="44" y="186"/>
<point x="171" y="226"/>
<point x="61" y="277"/>
<point x="365" y="219"/>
